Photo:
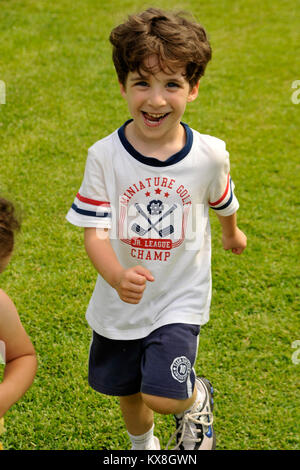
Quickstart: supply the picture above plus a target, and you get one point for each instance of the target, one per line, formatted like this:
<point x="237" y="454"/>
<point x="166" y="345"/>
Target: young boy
<point x="144" y="204"/>
<point x="16" y="349"/>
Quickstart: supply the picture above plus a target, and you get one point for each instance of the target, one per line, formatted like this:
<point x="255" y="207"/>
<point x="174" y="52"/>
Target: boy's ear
<point x="193" y="93"/>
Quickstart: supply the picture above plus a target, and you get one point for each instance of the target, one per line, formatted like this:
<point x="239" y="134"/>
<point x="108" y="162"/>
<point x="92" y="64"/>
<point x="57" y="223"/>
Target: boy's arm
<point x="21" y="362"/>
<point x="233" y="238"/>
<point x="129" y="283"/>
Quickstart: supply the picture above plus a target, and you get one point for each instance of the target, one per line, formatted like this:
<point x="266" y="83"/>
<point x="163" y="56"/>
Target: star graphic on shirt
<point x="147" y="194"/>
<point x="167" y="194"/>
<point x="158" y="191"/>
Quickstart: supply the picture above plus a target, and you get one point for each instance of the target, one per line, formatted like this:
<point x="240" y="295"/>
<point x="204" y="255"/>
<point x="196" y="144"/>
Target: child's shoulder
<point x="213" y="146"/>
<point x="7" y="307"/>
<point x="104" y="143"/>
<point x="9" y="317"/>
<point x="212" y="142"/>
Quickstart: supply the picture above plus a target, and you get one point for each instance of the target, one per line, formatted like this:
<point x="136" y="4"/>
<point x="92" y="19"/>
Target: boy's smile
<point x="157" y="102"/>
<point x="154" y="119"/>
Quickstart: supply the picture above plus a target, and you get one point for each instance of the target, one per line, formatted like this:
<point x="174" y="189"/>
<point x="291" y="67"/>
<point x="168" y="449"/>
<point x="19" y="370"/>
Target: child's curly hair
<point x="171" y="37"/>
<point x="9" y="224"/>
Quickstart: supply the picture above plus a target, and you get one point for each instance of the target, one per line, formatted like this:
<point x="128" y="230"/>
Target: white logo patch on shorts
<point x="180" y="368"/>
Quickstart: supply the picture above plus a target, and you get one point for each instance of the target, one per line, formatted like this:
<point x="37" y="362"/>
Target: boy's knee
<point x="165" y="406"/>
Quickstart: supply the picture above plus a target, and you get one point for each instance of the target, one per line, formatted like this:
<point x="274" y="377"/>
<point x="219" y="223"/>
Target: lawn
<point x="61" y="95"/>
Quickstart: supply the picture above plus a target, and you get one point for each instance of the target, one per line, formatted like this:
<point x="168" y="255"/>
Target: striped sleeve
<point x="91" y="206"/>
<point x="221" y="193"/>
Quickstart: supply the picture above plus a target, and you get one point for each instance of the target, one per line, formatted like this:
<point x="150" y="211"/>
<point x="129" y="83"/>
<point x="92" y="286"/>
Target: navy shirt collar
<point x="154" y="161"/>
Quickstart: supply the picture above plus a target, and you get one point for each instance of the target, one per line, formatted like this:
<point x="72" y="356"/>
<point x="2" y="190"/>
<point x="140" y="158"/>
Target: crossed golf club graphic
<point x="163" y="232"/>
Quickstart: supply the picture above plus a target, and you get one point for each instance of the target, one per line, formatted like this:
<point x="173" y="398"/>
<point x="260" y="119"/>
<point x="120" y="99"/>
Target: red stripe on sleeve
<point x="222" y="197"/>
<point x="92" y="201"/>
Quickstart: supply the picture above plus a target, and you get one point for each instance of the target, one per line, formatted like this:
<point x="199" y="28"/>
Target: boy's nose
<point x="157" y="99"/>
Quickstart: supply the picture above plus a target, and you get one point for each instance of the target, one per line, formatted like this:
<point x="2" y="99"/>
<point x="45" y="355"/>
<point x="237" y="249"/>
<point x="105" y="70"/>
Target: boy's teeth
<point x="155" y="115"/>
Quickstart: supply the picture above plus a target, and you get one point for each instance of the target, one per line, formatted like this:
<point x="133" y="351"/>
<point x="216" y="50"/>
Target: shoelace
<point x="196" y="418"/>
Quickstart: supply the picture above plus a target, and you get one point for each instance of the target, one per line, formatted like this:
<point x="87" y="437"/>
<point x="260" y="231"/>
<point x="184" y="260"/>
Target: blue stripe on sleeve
<point x="90" y="213"/>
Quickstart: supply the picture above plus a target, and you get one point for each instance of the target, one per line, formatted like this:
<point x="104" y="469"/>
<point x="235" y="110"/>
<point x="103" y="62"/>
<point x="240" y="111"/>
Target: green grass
<point x="61" y="96"/>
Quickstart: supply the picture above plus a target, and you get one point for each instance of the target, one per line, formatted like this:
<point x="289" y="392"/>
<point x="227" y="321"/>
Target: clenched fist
<point x="131" y="284"/>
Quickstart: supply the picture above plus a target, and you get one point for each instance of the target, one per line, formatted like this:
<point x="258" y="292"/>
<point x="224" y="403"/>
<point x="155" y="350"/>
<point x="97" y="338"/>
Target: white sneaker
<point x="194" y="429"/>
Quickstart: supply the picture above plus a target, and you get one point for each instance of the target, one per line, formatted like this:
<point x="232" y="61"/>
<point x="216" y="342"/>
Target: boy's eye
<point x="172" y="85"/>
<point x="141" y="83"/>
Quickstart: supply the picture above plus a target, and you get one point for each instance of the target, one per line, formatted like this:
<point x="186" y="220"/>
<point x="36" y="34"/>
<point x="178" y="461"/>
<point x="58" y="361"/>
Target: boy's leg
<point x="170" y="386"/>
<point x="106" y="376"/>
<point x="193" y="417"/>
<point x="137" y="415"/>
<point x="166" y="406"/>
<point x="138" y="418"/>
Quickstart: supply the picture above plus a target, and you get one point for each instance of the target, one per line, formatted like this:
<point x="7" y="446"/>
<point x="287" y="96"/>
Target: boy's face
<point x="157" y="101"/>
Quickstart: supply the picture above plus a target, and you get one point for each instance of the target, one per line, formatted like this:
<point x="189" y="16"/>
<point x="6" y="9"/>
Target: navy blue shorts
<point x="160" y="364"/>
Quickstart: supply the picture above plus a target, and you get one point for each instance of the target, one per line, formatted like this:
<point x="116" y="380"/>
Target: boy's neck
<point x="161" y="149"/>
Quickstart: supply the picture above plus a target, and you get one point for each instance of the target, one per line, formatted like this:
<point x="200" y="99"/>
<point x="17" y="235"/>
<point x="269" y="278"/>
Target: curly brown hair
<point x="9" y="224"/>
<point x="175" y="40"/>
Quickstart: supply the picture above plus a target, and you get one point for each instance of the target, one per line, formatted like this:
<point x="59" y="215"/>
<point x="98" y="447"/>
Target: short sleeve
<point x="91" y="206"/>
<point x="221" y="192"/>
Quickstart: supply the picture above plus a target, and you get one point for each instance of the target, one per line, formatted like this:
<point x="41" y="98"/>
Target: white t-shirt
<point x="157" y="213"/>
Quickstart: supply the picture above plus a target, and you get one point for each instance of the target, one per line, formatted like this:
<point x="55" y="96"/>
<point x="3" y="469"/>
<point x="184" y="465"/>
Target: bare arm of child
<point x="21" y="362"/>
<point x="129" y="283"/>
<point x="233" y="238"/>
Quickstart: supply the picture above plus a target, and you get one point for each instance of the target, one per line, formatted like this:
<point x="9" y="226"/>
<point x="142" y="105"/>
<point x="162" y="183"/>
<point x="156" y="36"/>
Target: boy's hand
<point x="236" y="242"/>
<point x="131" y="284"/>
